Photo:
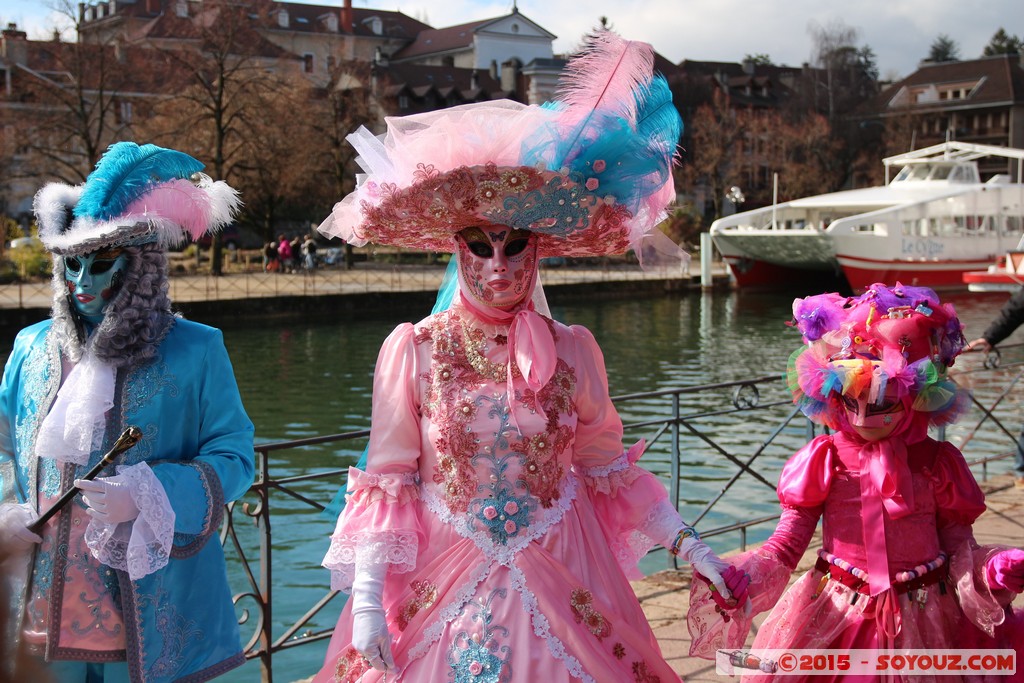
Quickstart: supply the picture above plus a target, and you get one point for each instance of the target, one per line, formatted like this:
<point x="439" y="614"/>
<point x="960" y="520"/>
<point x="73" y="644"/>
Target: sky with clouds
<point x="899" y="31"/>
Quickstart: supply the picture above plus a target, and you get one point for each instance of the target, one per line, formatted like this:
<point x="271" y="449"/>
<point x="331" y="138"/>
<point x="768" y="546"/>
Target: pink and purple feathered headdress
<point x="898" y="340"/>
<point x="135" y="195"/>
<point x="590" y="173"/>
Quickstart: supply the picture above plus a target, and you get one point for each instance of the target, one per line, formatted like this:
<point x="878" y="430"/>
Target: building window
<point x="403" y="101"/>
<point x="307" y="62"/>
<point x="123" y="112"/>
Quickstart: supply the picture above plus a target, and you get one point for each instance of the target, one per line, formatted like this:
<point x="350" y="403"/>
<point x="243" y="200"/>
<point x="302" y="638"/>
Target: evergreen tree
<point x="944" y="49"/>
<point x="1003" y="43"/>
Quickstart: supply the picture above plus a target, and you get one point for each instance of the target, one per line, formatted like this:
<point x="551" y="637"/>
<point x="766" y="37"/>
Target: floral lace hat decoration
<point x="590" y="172"/>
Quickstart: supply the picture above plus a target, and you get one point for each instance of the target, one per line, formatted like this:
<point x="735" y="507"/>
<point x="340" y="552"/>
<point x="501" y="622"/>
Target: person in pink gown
<point x="498" y="519"/>
<point x="899" y="567"/>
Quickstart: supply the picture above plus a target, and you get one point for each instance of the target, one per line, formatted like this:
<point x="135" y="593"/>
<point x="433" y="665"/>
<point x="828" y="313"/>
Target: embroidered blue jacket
<point x="180" y="622"/>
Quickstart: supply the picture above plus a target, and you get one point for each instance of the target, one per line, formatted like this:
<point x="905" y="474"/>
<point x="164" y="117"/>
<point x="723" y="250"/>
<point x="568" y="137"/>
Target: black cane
<point x="129" y="437"/>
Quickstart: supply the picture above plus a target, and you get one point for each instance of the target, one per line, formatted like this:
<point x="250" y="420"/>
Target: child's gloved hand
<point x="1006" y="570"/>
<point x="736" y="595"/>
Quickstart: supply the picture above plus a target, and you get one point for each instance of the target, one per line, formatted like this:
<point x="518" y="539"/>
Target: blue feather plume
<point x="127" y="171"/>
<point x="657" y="118"/>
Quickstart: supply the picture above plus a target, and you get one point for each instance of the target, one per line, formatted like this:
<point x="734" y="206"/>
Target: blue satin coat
<point x="180" y="622"/>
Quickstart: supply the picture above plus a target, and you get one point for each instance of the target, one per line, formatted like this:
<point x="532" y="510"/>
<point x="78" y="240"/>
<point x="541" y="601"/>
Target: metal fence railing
<point x="718" y="448"/>
<point x="247" y="280"/>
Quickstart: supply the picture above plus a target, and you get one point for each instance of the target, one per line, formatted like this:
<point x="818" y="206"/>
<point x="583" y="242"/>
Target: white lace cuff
<point x="397" y="548"/>
<point x="143" y="545"/>
<point x="659" y="527"/>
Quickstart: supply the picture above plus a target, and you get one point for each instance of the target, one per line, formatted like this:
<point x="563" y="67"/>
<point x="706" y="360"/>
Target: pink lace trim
<point x="398" y="548"/>
<point x="400" y="488"/>
<point x="610" y="479"/>
<point x="709" y="632"/>
<point x="659" y="526"/>
<point x="142" y="546"/>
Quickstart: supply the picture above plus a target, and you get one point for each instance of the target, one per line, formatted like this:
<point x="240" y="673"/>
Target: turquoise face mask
<point x="94" y="280"/>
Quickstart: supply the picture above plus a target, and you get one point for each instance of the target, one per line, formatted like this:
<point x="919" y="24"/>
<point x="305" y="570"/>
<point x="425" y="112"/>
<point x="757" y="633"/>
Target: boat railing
<point x="717" y="447"/>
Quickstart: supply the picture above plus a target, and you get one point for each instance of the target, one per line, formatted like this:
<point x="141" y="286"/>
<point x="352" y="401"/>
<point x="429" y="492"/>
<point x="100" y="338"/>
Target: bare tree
<point x="74" y="107"/>
<point x="717" y="132"/>
<point x="227" y="69"/>
<point x="344" y="104"/>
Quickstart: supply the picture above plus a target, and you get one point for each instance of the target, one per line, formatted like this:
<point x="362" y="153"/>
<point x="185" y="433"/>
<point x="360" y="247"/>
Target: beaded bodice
<point x="496" y="472"/>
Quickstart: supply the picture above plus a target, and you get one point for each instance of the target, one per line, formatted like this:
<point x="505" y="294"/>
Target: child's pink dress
<point x="508" y="532"/>
<point x="879" y="502"/>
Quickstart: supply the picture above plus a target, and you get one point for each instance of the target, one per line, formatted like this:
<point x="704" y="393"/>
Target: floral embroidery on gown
<point x="509" y="527"/>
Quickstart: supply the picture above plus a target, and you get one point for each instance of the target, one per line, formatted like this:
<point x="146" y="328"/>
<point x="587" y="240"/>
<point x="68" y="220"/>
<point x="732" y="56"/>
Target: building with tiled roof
<point x="977" y="100"/>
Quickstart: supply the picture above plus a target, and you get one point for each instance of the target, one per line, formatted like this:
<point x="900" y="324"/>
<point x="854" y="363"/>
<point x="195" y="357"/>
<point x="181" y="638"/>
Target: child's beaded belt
<point x="927" y="574"/>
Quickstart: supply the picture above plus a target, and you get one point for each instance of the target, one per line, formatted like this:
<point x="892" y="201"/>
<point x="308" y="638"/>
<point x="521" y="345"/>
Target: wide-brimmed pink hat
<point x="590" y="173"/>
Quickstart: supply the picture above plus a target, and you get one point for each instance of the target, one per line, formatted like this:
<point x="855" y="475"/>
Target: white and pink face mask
<point x="497" y="265"/>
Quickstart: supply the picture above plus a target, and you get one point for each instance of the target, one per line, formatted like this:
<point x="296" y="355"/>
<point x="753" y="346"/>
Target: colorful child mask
<point x="888" y="345"/>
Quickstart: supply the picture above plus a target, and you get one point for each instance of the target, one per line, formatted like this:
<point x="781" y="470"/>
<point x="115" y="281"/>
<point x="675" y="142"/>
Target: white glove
<point x="109" y="500"/>
<point x="370" y="635"/>
<point x="711" y="567"/>
<point x="14" y="533"/>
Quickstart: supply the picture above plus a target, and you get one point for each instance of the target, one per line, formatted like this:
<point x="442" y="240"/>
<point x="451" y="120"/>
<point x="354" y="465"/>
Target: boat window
<point x="940" y="172"/>
<point x="916" y="172"/>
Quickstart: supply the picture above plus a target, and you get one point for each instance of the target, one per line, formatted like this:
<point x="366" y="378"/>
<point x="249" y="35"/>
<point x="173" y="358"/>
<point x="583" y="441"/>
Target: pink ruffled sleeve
<point x="958" y="498"/>
<point x="630" y="503"/>
<point x="959" y="502"/>
<point x="380" y="522"/>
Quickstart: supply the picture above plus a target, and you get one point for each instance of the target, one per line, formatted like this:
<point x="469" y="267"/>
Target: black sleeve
<point x="1010" y="317"/>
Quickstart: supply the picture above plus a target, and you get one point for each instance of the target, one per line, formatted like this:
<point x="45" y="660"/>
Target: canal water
<point x="300" y="381"/>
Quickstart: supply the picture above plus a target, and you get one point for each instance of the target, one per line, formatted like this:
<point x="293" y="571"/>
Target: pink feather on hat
<point x="178" y="201"/>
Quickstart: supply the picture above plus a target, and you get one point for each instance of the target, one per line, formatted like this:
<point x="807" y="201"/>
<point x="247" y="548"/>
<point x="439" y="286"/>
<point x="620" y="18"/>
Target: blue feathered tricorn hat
<point x="135" y="195"/>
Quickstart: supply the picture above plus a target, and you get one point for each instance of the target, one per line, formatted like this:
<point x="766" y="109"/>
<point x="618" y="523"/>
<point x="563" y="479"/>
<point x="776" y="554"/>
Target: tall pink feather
<point x="178" y="201"/>
<point x="605" y="76"/>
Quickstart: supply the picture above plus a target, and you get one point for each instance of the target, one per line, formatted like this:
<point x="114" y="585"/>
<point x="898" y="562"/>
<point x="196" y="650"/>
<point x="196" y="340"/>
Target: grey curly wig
<point x="134" y="322"/>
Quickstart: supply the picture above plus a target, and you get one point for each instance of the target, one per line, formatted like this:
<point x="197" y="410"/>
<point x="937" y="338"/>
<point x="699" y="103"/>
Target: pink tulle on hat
<point x="590" y="173"/>
<point x="898" y="340"/>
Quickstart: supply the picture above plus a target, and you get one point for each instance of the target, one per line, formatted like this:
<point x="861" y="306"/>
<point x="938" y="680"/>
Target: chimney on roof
<point x="81" y="13"/>
<point x="152" y="6"/>
<point x="748" y="67"/>
<point x="346" y="17"/>
<point x="14" y="44"/>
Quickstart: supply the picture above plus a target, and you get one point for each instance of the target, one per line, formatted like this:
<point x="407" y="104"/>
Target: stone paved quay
<point x="365" y="290"/>
<point x="665" y="595"/>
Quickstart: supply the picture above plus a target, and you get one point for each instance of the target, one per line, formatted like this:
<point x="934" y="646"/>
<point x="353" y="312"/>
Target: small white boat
<point x="1005" y="276"/>
<point x="934" y="221"/>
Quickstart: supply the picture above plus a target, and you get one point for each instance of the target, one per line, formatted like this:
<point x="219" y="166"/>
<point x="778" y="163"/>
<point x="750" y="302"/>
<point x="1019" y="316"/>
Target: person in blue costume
<point x="127" y="583"/>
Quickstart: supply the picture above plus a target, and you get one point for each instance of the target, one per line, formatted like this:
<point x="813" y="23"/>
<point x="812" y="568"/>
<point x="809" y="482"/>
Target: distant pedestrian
<point x="309" y="252"/>
<point x="284" y="253"/>
<point x="295" y="244"/>
<point x="270" y="260"/>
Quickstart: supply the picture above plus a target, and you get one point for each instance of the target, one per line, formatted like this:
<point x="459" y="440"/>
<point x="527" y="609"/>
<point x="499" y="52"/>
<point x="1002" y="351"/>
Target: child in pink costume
<point x="490" y="535"/>
<point x="899" y="567"/>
